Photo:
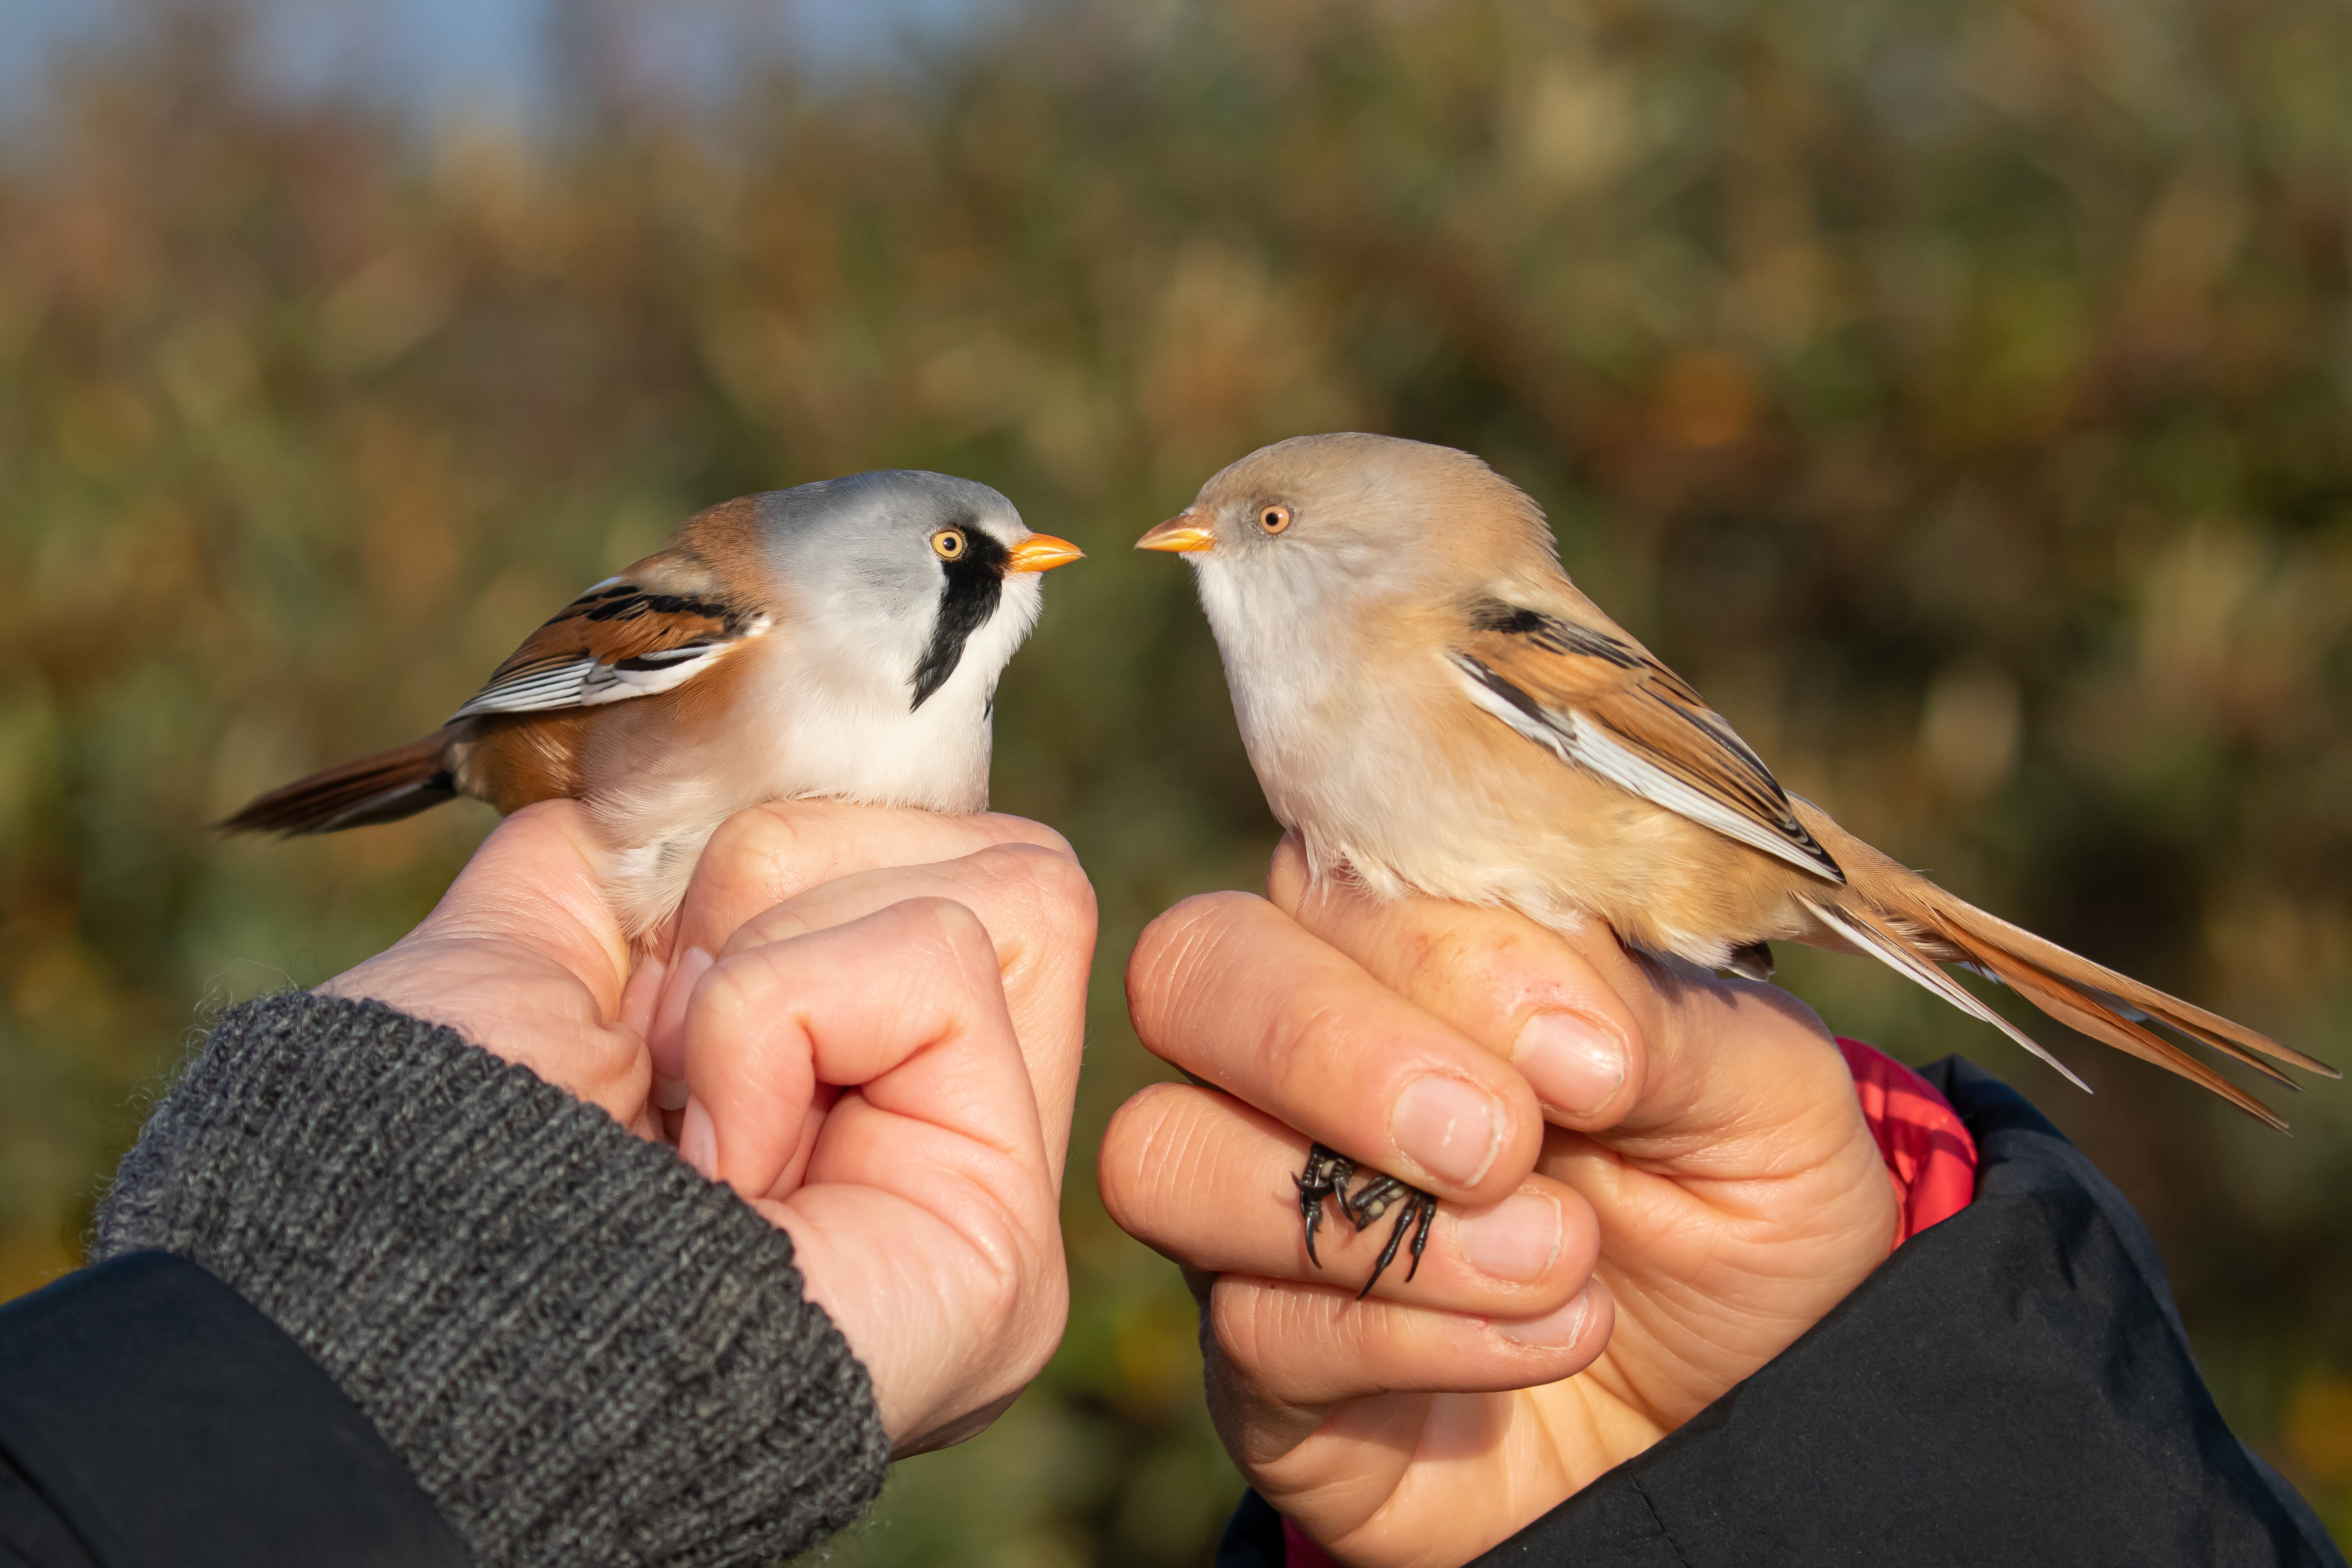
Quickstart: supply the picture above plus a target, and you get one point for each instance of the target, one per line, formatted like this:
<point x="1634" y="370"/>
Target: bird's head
<point x="923" y="574"/>
<point x="1350" y="524"/>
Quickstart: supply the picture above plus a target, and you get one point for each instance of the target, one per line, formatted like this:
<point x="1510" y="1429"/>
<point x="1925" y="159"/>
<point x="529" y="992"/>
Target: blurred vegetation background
<point x="1959" y="391"/>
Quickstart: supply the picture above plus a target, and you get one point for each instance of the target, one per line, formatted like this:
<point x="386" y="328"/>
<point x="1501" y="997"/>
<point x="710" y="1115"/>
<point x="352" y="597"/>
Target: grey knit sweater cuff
<point x="587" y="1353"/>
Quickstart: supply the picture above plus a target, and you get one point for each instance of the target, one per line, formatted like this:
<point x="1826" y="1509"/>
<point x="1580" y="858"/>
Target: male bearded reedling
<point x="1431" y="704"/>
<point x="841" y="639"/>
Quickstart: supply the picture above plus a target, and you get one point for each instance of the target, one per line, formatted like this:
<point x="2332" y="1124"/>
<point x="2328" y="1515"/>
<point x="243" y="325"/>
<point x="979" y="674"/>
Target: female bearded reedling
<point x="1431" y="704"/>
<point x="841" y="639"/>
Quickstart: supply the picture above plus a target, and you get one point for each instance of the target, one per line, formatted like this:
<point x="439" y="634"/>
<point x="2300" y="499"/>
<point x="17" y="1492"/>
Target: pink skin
<point x="1680" y="1182"/>
<point x="881" y="1057"/>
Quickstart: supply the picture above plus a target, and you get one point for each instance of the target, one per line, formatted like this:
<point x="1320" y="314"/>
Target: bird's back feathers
<point x="655" y="626"/>
<point x="1598" y="699"/>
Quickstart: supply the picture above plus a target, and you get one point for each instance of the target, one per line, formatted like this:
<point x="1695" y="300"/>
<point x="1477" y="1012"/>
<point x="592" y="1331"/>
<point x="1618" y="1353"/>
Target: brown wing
<point x="659" y="623"/>
<point x="1602" y="703"/>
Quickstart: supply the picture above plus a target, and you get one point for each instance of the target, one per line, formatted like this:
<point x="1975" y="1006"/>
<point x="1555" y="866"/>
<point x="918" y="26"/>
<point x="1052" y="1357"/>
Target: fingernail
<point x="1554" y="1330"/>
<point x="698" y="1141"/>
<point x="669" y="1094"/>
<point x="1572" y="1066"/>
<point x="1448" y="1128"/>
<point x="669" y="1039"/>
<point x="1518" y="1239"/>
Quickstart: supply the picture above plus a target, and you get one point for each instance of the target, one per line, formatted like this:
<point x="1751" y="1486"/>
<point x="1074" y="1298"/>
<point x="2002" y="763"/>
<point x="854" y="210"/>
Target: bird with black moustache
<point x="841" y="639"/>
<point x="1432" y="705"/>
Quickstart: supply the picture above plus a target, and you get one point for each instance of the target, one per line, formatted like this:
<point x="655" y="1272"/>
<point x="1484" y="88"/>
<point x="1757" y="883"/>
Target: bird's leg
<point x="1327" y="1175"/>
<point x="1372" y="1200"/>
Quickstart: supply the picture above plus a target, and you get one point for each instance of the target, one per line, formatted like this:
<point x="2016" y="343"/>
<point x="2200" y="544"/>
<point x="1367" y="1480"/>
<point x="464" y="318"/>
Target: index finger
<point x="1228" y="987"/>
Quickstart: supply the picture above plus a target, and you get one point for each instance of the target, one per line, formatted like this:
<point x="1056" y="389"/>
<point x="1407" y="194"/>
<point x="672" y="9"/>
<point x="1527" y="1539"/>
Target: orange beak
<point x="1178" y="533"/>
<point x="1041" y="552"/>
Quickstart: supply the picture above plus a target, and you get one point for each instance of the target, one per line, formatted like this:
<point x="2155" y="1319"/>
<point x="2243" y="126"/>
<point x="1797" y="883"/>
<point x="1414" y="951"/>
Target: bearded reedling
<point x="1431" y="705"/>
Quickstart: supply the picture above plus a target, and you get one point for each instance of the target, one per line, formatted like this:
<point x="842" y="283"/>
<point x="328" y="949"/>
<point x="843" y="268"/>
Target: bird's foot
<point x="1328" y="1174"/>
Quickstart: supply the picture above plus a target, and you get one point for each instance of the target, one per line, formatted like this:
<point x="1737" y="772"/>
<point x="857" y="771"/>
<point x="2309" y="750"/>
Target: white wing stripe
<point x="612" y="684"/>
<point x="1574" y="738"/>
<point x="585" y="683"/>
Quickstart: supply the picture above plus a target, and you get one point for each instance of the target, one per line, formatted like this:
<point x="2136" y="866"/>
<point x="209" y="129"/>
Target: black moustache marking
<point x="975" y="583"/>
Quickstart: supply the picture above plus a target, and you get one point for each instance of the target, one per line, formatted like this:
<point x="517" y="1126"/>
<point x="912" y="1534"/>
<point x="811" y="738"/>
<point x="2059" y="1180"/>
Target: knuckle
<point x="1067" y="887"/>
<point x="751" y="839"/>
<point x="949" y="921"/>
<point x="723" y="993"/>
<point x="1025" y="829"/>
<point x="1053" y="886"/>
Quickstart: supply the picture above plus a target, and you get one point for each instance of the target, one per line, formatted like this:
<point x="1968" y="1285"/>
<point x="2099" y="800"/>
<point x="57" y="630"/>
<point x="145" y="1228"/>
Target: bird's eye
<point x="1273" y="519"/>
<point x="948" y="544"/>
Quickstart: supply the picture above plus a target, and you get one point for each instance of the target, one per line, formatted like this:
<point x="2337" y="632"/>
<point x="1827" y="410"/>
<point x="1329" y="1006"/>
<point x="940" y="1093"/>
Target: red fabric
<point x="1929" y="1156"/>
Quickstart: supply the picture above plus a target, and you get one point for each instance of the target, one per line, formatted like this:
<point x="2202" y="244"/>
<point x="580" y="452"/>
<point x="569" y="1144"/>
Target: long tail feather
<point x="378" y="789"/>
<point x="1973" y="928"/>
<point x="1891" y="948"/>
<point x="1904" y="920"/>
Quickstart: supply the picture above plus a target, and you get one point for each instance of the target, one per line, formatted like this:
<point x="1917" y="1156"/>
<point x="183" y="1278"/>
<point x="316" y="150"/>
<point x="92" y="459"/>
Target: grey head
<point x="917" y="572"/>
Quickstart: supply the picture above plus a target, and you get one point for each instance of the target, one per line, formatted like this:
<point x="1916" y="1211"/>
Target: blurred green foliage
<point x="1959" y="391"/>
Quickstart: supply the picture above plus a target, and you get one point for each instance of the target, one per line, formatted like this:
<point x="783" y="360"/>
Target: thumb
<point x="534" y="884"/>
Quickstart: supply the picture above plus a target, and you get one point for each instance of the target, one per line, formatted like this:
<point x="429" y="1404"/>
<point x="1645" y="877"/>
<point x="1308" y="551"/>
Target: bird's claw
<point x="1328" y="1174"/>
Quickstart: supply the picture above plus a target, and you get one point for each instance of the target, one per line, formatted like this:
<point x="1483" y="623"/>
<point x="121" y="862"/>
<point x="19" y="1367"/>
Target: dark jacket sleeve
<point x="387" y="1244"/>
<point x="153" y="1415"/>
<point x="2013" y="1386"/>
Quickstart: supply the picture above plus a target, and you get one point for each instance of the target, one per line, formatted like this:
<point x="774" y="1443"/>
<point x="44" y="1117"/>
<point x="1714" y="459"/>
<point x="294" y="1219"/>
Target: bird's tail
<point x="383" y="788"/>
<point x="1906" y="922"/>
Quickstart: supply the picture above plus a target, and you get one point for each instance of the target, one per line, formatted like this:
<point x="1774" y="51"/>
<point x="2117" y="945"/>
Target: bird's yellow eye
<point x="1273" y="519"/>
<point x="948" y="544"/>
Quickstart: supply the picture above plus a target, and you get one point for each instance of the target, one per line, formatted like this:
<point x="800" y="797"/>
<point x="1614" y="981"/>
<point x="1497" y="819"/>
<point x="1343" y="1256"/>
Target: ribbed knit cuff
<point x="587" y="1353"/>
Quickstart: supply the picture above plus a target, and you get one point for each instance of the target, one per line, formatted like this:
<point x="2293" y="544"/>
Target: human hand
<point x="958" y="1053"/>
<point x="523" y="958"/>
<point x="1714" y="1197"/>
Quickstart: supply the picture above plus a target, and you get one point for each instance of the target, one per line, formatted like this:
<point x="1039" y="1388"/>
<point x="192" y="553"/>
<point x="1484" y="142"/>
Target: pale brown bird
<point x="841" y="639"/>
<point x="1431" y="704"/>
